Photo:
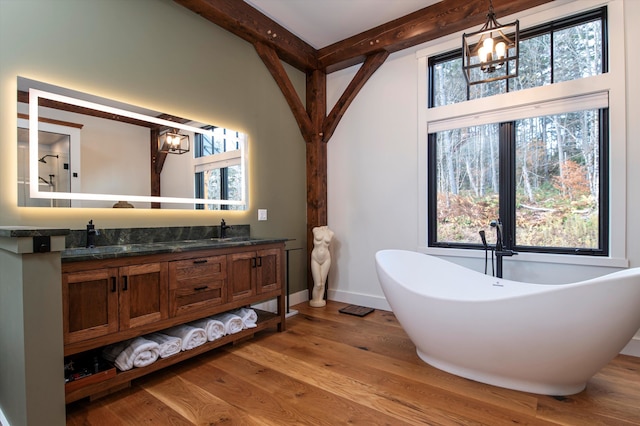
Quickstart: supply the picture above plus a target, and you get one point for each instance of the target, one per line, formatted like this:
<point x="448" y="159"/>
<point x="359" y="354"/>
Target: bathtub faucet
<point x="500" y="250"/>
<point x="498" y="225"/>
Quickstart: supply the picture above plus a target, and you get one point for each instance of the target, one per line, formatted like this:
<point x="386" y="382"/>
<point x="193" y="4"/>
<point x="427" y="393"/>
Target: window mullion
<point x="507" y="185"/>
<point x="603" y="182"/>
<point x="432" y="179"/>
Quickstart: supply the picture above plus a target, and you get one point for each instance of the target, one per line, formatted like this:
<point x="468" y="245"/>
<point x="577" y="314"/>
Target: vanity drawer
<point x="196" y="284"/>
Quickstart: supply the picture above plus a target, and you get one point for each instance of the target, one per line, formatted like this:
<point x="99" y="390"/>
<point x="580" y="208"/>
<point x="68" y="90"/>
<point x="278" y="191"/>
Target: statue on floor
<point x="320" y="264"/>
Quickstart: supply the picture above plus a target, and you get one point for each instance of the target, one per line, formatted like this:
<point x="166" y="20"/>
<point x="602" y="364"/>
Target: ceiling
<point x="321" y="23"/>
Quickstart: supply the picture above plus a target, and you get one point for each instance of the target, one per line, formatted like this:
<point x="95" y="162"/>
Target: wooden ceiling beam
<point x="239" y="18"/>
<point x="432" y="22"/>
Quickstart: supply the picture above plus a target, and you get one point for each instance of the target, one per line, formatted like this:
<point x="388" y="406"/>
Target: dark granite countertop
<point x="31" y="231"/>
<point x="125" y="250"/>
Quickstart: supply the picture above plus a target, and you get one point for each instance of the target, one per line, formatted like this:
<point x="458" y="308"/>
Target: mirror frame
<point x="36" y="94"/>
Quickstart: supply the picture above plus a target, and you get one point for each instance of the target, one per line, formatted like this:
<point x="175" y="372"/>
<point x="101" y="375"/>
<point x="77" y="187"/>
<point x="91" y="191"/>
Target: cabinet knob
<point x="204" y="287"/>
<point x="200" y="261"/>
<point x="125" y="283"/>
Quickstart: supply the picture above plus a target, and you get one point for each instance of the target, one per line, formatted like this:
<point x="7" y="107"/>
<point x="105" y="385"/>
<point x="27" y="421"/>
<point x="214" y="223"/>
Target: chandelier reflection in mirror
<point x="491" y="53"/>
<point x="172" y="142"/>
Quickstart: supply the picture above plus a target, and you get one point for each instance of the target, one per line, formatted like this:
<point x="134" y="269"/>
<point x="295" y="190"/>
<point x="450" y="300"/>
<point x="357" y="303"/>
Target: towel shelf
<point x="266" y="320"/>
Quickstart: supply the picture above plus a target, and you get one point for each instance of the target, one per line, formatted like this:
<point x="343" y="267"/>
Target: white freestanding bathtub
<point x="546" y="339"/>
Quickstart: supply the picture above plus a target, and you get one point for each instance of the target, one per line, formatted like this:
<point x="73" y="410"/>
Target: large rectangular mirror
<point x="80" y="150"/>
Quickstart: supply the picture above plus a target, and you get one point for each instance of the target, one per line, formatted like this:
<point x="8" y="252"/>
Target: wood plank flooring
<point x="331" y="369"/>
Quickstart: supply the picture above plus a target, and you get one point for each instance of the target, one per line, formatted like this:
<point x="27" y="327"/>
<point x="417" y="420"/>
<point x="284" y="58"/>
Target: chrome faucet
<point x="223" y="229"/>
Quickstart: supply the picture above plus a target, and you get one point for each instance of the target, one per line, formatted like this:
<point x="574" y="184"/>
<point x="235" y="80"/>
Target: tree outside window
<point x="544" y="176"/>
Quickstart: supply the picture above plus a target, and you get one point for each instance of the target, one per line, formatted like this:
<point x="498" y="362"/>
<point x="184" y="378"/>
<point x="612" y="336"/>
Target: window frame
<point x="507" y="193"/>
<point x="528" y="33"/>
<point x="612" y="82"/>
<point x="221" y="161"/>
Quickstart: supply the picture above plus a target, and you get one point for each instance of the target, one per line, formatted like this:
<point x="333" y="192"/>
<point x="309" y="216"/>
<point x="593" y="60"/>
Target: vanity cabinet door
<point x="196" y="284"/>
<point x="268" y="270"/>
<point x="144" y="294"/>
<point x="241" y="275"/>
<point x="90" y="304"/>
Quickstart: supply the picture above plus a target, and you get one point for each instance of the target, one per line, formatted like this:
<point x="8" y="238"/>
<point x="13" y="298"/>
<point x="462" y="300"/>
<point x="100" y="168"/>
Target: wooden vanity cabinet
<point x="242" y="276"/>
<point x="143" y="294"/>
<point x="89" y="304"/>
<point x="196" y="284"/>
<point x="253" y="273"/>
<point x="98" y="302"/>
<point x="111" y="300"/>
<point x="269" y="271"/>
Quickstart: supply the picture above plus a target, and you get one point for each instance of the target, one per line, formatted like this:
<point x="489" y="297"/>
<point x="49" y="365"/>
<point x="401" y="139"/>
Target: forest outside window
<point x="542" y="170"/>
<point x="218" y="168"/>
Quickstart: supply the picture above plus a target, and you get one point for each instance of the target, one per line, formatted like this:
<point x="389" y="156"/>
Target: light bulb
<point x="501" y="49"/>
<point x="488" y="44"/>
<point x="482" y="55"/>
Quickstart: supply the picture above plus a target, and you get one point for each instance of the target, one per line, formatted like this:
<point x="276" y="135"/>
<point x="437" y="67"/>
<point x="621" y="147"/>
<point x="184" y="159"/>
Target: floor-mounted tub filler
<point x="546" y="339"/>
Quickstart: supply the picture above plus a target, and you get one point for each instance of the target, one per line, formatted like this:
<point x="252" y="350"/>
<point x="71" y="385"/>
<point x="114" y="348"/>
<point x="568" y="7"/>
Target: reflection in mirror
<point x="54" y="158"/>
<point x="109" y="154"/>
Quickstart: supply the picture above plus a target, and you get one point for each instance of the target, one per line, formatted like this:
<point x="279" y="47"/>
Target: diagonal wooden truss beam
<point x="371" y="64"/>
<point x="275" y="67"/>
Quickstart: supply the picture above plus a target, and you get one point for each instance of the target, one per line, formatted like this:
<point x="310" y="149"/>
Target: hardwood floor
<point x="330" y="369"/>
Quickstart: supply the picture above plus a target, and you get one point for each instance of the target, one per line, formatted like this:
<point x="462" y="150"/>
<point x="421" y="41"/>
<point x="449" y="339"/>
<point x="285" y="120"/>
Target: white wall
<point x="373" y="178"/>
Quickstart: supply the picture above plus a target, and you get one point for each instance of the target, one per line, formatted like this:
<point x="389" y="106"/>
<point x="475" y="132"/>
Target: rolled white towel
<point x="249" y="317"/>
<point x="138" y="352"/>
<point x="232" y="323"/>
<point x="213" y="328"/>
<point x="111" y="352"/>
<point x="192" y="337"/>
<point x="168" y="345"/>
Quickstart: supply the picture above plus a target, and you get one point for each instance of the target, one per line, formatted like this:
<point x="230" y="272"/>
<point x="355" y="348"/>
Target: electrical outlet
<point x="262" y="214"/>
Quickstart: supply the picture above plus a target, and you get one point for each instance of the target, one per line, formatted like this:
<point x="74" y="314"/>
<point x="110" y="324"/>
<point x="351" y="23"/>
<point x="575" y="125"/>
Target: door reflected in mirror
<point x="86" y="151"/>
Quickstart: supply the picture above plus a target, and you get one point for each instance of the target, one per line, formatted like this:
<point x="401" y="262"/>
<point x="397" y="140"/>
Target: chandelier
<point x="491" y="53"/>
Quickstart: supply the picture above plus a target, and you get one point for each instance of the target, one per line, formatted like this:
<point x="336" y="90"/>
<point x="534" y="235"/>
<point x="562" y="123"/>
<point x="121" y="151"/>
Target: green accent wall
<point x="155" y="54"/>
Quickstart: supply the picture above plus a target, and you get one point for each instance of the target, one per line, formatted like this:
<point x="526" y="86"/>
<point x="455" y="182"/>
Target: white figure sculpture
<point x="320" y="264"/>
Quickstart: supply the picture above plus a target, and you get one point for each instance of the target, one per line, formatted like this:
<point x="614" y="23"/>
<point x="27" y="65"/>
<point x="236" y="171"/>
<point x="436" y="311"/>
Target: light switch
<point x="262" y="214"/>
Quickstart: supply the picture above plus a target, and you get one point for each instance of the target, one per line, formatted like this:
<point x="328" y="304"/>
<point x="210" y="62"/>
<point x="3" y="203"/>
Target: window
<point x="218" y="171"/>
<point x="542" y="176"/>
<point x="541" y="165"/>
<point x="562" y="50"/>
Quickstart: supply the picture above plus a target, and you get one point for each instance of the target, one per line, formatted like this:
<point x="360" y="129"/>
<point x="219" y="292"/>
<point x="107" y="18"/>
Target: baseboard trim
<point x="632" y="348"/>
<point x="376" y="302"/>
<point x="272" y="305"/>
<point x="299" y="297"/>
